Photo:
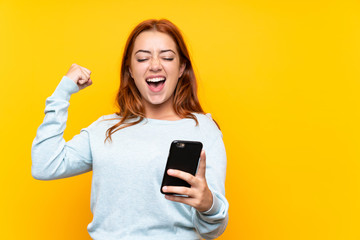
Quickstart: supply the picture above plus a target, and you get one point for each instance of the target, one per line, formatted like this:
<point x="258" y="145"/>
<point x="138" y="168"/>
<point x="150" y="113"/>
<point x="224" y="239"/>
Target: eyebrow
<point x="162" y="51"/>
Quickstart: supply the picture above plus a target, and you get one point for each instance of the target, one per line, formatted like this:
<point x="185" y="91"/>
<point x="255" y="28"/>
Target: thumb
<point x="202" y="165"/>
<point x="88" y="83"/>
<point x="85" y="84"/>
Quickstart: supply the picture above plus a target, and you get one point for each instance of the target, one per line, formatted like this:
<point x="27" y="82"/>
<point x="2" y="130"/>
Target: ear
<point x="182" y="68"/>
<point x="130" y="72"/>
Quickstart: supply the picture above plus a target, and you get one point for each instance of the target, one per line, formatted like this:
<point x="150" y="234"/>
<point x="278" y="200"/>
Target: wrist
<point x="209" y="203"/>
<point x="215" y="207"/>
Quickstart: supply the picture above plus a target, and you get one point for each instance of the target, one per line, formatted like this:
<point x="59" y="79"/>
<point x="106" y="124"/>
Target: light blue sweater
<point x="126" y="201"/>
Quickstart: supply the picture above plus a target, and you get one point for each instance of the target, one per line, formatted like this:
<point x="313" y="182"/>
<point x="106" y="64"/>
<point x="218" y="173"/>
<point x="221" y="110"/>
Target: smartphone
<point x="184" y="156"/>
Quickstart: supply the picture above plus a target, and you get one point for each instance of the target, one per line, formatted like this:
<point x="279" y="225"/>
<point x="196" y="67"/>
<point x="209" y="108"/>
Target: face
<point x="155" y="67"/>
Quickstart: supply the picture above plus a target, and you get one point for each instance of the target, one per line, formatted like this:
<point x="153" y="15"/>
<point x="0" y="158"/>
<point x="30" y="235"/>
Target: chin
<point x="156" y="100"/>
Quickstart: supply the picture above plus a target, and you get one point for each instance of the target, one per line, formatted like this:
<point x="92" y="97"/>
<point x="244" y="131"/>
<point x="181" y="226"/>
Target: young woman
<point x="127" y="151"/>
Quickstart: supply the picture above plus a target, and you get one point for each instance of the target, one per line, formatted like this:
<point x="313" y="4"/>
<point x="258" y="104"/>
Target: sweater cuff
<point x="215" y="208"/>
<point x="65" y="88"/>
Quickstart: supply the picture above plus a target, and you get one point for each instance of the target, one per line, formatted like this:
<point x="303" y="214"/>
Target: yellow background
<point x="280" y="77"/>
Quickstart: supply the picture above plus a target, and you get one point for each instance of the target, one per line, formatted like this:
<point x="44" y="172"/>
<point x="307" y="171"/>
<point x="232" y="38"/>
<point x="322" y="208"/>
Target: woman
<point x="127" y="151"/>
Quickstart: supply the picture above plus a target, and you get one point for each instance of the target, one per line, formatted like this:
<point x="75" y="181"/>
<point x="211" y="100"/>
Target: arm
<point x="212" y="223"/>
<point x="52" y="157"/>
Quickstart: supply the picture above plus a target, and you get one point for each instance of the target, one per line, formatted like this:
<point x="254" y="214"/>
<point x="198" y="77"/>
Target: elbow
<point x="39" y="168"/>
<point x="39" y="174"/>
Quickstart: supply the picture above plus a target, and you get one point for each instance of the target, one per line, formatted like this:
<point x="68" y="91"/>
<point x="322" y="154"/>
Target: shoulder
<point x="104" y="121"/>
<point x="207" y="124"/>
<point x="206" y="120"/>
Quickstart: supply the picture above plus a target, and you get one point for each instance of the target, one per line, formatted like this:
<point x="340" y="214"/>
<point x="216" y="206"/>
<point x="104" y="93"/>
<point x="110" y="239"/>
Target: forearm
<point x="50" y="154"/>
<point x="212" y="223"/>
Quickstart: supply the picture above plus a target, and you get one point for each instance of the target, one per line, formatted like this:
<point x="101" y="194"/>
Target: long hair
<point x="185" y="101"/>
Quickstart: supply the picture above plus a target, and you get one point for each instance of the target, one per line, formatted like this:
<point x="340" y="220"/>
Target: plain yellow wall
<point x="280" y="77"/>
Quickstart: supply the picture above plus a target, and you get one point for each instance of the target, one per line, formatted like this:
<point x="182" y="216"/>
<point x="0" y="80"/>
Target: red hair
<point x="185" y="101"/>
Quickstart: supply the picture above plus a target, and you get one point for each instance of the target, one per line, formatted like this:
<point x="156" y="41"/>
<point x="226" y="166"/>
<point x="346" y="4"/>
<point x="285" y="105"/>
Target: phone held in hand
<point x="184" y="156"/>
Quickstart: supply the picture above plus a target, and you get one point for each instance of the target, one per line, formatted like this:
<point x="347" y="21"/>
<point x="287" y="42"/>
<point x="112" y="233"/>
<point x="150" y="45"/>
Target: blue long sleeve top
<point x="126" y="201"/>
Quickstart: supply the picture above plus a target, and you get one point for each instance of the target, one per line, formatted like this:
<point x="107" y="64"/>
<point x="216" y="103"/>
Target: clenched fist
<point x="80" y="75"/>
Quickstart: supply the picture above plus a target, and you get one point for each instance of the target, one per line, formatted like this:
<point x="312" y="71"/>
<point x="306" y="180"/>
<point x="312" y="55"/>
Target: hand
<point x="199" y="194"/>
<point x="80" y="75"/>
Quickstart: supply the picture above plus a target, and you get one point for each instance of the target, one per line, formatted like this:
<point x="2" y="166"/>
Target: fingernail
<point x="164" y="189"/>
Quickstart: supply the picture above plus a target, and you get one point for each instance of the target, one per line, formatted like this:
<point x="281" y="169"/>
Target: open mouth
<point x="156" y="84"/>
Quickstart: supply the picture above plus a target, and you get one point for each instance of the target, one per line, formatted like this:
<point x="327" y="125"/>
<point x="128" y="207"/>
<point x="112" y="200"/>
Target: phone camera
<point x="180" y="145"/>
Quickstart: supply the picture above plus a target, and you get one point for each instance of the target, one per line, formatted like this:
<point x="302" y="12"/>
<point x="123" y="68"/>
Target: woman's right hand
<point x="80" y="75"/>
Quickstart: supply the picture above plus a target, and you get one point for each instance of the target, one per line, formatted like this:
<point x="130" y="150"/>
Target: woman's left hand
<point x="199" y="195"/>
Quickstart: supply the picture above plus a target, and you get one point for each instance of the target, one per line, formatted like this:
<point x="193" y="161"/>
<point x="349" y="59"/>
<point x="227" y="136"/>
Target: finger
<point x="85" y="74"/>
<point x="179" y="199"/>
<point x="187" y="177"/>
<point x="84" y="77"/>
<point x="178" y="190"/>
<point x="82" y="81"/>
<point x="86" y="70"/>
<point x="202" y="165"/>
<point x="88" y="83"/>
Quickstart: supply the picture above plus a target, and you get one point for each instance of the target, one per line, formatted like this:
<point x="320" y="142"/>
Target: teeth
<point x="155" y="79"/>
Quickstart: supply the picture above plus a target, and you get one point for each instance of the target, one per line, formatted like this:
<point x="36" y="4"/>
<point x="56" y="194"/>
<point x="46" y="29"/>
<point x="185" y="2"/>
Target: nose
<point x="155" y="65"/>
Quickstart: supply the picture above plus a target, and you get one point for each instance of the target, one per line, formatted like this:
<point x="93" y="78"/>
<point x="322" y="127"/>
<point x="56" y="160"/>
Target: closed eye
<point x="168" y="59"/>
<point x="141" y="60"/>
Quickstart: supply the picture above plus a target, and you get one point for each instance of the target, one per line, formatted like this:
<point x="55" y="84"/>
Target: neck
<point x="164" y="111"/>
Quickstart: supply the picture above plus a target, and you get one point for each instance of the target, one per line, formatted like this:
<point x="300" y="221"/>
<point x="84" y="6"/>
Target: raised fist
<point x="80" y="75"/>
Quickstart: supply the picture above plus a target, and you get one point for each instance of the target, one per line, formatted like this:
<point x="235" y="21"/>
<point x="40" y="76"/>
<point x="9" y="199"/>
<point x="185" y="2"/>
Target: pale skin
<point x="155" y="54"/>
<point x="154" y="50"/>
